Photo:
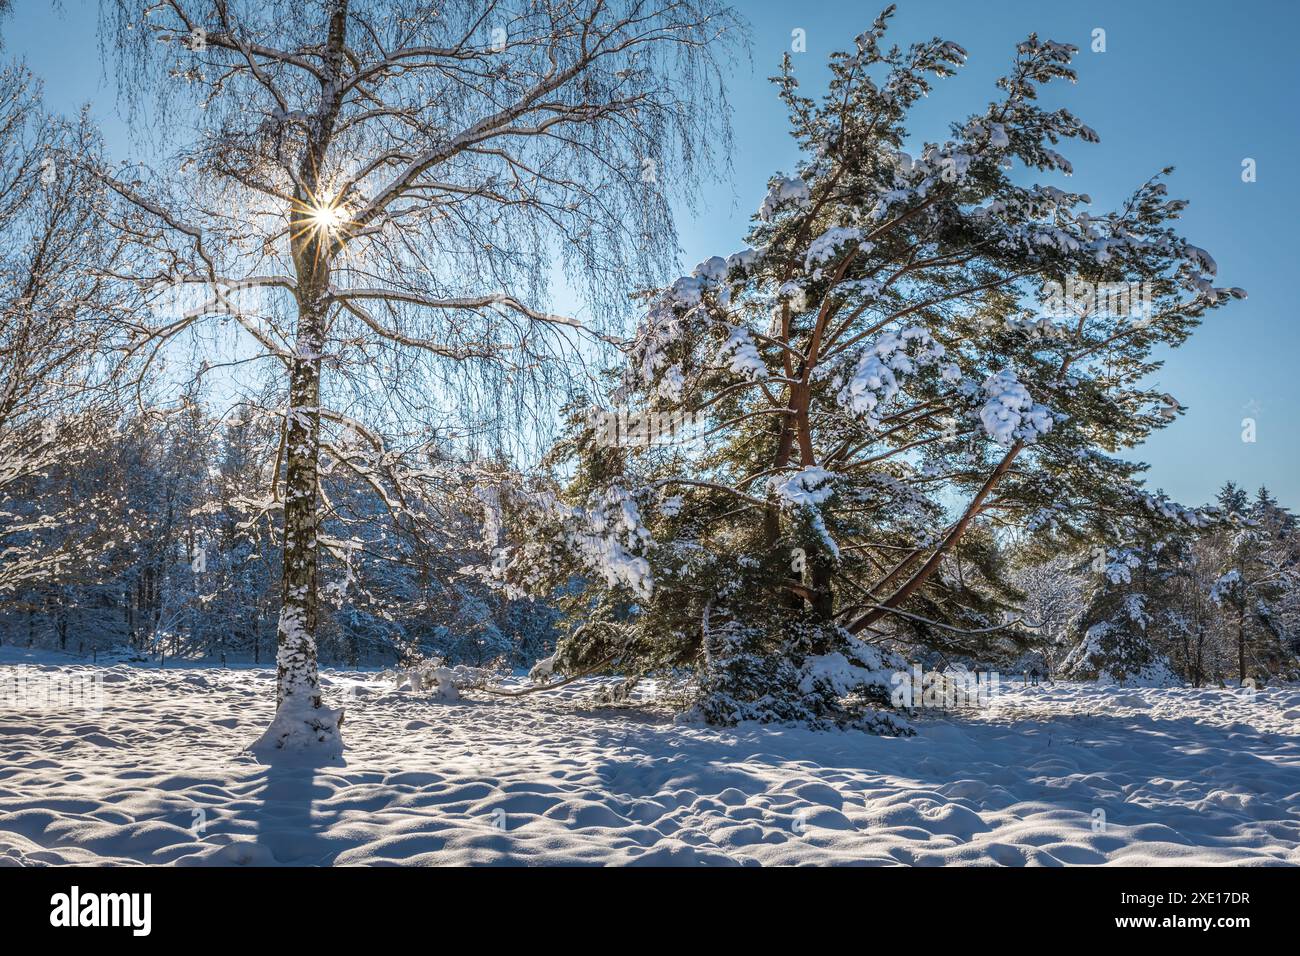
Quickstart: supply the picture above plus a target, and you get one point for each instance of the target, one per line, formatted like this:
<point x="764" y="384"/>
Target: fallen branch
<point x="523" y="692"/>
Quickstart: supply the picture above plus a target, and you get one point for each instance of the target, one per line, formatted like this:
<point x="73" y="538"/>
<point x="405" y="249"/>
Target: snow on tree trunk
<point x="301" y="722"/>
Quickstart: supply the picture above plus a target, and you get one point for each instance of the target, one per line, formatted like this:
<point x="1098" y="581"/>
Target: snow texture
<point x="826" y="246"/>
<point x="809" y="486"/>
<point x="741" y="354"/>
<point x="1177" y="776"/>
<point x="793" y="193"/>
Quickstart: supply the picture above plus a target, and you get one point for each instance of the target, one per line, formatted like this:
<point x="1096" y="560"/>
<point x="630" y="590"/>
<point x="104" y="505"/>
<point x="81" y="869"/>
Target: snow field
<point x="1050" y="775"/>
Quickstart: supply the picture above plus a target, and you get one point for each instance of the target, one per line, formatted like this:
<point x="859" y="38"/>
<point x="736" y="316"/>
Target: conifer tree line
<point x="893" y="423"/>
<point x="1203" y="608"/>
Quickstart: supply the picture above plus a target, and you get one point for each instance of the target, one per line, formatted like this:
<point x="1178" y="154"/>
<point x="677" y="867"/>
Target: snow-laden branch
<point x="494" y="300"/>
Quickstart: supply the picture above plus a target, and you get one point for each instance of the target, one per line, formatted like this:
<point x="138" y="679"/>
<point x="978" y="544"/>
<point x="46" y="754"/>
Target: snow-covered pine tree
<point x="854" y="392"/>
<point x="1282" y="531"/>
<point x="397" y="180"/>
<point x="1258" y="571"/>
<point x="1122" y="639"/>
<point x="1232" y="499"/>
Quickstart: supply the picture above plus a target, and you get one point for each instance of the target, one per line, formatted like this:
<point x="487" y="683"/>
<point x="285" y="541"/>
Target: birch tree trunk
<point x="296" y="661"/>
<point x="301" y="722"/>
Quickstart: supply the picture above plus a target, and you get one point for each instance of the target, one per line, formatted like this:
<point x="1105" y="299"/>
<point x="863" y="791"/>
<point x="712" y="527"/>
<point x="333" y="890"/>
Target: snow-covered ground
<point x="1070" y="774"/>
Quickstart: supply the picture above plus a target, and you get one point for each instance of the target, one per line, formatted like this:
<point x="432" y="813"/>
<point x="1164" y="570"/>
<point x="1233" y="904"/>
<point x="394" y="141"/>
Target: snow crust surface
<point x="1048" y="775"/>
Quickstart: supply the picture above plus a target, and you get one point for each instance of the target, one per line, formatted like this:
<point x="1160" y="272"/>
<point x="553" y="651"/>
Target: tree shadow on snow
<point x="1172" y="780"/>
<point x="288" y="828"/>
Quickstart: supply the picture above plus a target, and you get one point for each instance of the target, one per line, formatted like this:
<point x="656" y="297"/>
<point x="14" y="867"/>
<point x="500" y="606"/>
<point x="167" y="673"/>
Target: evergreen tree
<point x="1231" y="499"/>
<point x="1122" y="624"/>
<point x="1258" y="571"/>
<point x="804" y="413"/>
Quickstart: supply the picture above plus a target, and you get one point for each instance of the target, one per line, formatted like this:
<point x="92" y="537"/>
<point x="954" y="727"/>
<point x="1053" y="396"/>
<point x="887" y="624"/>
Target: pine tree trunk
<point x="821" y="567"/>
<point x="936" y="557"/>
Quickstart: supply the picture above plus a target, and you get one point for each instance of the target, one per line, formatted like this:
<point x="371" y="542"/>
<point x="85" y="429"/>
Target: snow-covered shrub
<point x="753" y="676"/>
<point x="437" y="681"/>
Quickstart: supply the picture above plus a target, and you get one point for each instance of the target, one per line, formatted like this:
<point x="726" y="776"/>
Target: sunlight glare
<point x="327" y="218"/>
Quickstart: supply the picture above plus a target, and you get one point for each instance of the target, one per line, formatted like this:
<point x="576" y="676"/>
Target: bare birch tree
<point x="397" y="182"/>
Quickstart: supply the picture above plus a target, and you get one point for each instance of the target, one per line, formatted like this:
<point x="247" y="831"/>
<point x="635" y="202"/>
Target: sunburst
<point x="327" y="218"/>
<point x="321" y="216"/>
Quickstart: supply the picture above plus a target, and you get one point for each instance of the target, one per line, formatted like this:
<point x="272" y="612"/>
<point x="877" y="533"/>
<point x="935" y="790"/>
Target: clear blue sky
<point x="1192" y="83"/>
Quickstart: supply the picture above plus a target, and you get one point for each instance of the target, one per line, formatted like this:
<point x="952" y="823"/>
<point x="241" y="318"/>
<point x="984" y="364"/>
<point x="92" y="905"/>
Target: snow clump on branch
<point x="1011" y="414"/>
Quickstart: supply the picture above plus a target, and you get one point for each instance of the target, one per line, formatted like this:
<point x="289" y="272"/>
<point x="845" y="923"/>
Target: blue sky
<point x="1192" y="83"/>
